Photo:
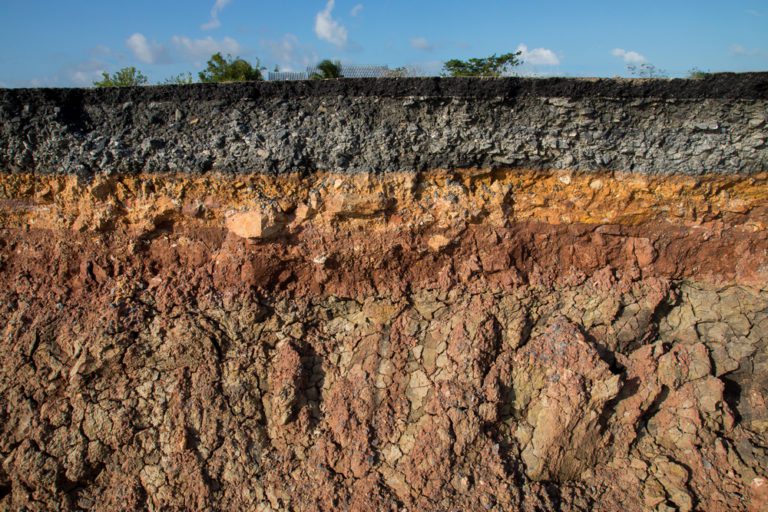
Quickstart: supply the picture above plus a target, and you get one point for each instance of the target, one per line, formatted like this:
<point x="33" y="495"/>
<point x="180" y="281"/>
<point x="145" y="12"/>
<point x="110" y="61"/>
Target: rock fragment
<point x="259" y="223"/>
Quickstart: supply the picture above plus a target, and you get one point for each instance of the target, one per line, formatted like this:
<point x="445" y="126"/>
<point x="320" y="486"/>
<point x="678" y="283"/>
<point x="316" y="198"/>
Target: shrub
<point x="698" y="74"/>
<point x="401" y="72"/>
<point x="126" y="77"/>
<point x="646" y="71"/>
<point x="180" y="79"/>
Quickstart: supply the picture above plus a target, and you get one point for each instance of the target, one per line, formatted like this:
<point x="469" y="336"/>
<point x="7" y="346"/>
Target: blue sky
<point x="69" y="43"/>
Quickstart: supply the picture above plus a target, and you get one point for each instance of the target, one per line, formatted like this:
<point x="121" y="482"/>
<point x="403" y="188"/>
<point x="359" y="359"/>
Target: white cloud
<point x="203" y="48"/>
<point x="740" y="51"/>
<point x="215" y="10"/>
<point x="421" y="43"/>
<point x="737" y="49"/>
<point x="146" y="51"/>
<point x="628" y="56"/>
<point x="356" y="10"/>
<point x="538" y="56"/>
<point x="101" y="50"/>
<point x="328" y="29"/>
<point x="85" y="73"/>
<point x="78" y="74"/>
<point x="291" y="54"/>
<point x="85" y="78"/>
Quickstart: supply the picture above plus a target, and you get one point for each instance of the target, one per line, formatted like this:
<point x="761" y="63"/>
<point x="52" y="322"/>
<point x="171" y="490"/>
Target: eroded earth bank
<point x="386" y="295"/>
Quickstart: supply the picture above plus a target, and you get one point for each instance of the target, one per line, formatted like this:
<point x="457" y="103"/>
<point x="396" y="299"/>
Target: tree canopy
<point x="126" y="77"/>
<point x="328" y="69"/>
<point x="492" y="66"/>
<point x="228" y="69"/>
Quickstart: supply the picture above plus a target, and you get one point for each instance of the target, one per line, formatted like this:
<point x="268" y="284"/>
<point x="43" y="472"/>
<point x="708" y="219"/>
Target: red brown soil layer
<point x="323" y="345"/>
<point x="358" y="264"/>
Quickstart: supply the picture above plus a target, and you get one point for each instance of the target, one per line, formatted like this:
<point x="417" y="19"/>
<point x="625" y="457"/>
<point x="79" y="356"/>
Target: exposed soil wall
<point x="386" y="295"/>
<point x="650" y="126"/>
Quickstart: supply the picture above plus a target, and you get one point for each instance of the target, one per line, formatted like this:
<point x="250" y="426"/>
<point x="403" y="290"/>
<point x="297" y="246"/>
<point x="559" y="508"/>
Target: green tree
<point x="227" y="69"/>
<point x="126" y="77"/>
<point x="488" y="66"/>
<point x="180" y="79"/>
<point x="328" y="69"/>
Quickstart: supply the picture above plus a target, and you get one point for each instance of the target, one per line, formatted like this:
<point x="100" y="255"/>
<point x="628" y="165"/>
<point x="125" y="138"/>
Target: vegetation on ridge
<point x="235" y="69"/>
<point x="328" y="69"/>
<point x="126" y="77"/>
<point x="228" y="69"/>
<point x="492" y="66"/>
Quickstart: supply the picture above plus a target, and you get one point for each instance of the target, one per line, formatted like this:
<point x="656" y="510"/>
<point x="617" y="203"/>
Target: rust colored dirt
<point x="473" y="340"/>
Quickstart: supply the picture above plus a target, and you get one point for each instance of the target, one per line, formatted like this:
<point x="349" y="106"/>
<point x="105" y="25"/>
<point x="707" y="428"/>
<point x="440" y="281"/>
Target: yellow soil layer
<point x="141" y="202"/>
